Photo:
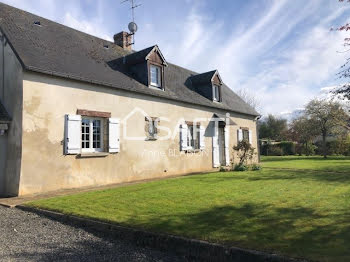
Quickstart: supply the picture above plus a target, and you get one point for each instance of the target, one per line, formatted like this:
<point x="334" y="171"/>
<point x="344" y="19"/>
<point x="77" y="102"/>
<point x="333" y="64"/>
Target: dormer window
<point x="155" y="76"/>
<point x="148" y="67"/>
<point x="216" y="93"/>
<point x="209" y="85"/>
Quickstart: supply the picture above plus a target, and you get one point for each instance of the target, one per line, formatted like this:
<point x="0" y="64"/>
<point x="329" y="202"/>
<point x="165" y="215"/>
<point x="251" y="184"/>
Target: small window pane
<point x="246" y="135"/>
<point x="216" y="93"/>
<point x="85" y="133"/>
<point x="155" y="75"/>
<point x="96" y="143"/>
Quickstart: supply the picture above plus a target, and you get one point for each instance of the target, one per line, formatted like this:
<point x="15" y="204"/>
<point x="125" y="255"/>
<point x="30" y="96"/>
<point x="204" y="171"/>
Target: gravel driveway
<point x="28" y="237"/>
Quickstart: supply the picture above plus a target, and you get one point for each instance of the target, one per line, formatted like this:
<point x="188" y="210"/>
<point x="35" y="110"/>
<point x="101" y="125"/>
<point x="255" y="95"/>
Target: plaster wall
<point x="47" y="99"/>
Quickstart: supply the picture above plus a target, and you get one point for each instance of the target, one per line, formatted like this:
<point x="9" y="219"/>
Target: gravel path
<point x="28" y="237"/>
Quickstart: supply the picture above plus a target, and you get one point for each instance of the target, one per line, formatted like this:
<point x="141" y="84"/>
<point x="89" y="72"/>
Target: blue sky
<point x="282" y="52"/>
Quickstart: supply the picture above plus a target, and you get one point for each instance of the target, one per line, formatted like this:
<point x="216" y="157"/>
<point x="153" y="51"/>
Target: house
<point x="77" y="110"/>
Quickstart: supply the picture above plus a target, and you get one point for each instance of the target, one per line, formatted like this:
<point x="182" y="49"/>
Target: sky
<point x="281" y="52"/>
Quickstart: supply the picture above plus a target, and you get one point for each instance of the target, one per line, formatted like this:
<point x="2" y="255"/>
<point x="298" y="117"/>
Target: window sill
<point x="88" y="155"/>
<point x="156" y="87"/>
<point x="193" y="150"/>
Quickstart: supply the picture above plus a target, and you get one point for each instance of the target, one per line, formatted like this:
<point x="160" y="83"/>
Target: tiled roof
<point x="62" y="51"/>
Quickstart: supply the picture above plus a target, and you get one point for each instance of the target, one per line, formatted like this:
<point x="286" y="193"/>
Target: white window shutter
<point x="240" y="135"/>
<point x="216" y="160"/>
<point x="183" y="137"/>
<point x="227" y="145"/>
<point x="72" y="134"/>
<point x="114" y="135"/>
<point x="250" y="137"/>
<point x="201" y="138"/>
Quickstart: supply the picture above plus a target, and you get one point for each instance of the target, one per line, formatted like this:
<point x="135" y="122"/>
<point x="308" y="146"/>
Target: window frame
<point x="245" y="134"/>
<point x="153" y="121"/>
<point x="193" y="142"/>
<point x="91" y="149"/>
<point x="159" y="75"/>
<point x="216" y="95"/>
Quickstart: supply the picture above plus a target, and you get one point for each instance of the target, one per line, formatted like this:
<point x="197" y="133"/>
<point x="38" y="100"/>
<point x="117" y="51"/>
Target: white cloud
<point x="280" y="50"/>
<point x="92" y="28"/>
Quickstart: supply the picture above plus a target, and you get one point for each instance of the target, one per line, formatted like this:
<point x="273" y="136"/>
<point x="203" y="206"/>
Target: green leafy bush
<point x="255" y="167"/>
<point x="287" y="147"/>
<point x="275" y="151"/>
<point x="222" y="169"/>
<point x="239" y="167"/>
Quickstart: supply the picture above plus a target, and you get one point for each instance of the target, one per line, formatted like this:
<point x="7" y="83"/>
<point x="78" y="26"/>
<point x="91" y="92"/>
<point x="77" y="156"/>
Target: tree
<point x="326" y="116"/>
<point x="273" y="128"/>
<point x="249" y="98"/>
<point x="303" y="131"/>
<point x="344" y="90"/>
<point x="245" y="151"/>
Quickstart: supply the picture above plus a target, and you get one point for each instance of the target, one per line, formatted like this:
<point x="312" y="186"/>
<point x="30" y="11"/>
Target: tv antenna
<point x="132" y="25"/>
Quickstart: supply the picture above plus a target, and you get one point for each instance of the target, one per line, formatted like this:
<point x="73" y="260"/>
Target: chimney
<point x="124" y="40"/>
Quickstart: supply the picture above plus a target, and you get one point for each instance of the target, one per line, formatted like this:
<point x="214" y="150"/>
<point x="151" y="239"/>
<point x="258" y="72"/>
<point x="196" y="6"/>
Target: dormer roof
<point x="144" y="55"/>
<point x="207" y="78"/>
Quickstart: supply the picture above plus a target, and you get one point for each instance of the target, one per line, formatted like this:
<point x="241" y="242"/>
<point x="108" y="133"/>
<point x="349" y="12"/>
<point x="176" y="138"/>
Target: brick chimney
<point x="124" y="40"/>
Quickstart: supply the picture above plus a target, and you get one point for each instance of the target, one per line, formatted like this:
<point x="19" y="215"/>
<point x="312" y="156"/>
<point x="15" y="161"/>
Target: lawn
<point x="296" y="206"/>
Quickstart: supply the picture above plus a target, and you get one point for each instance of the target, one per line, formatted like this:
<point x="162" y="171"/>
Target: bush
<point x="255" y="167"/>
<point x="222" y="169"/>
<point x="275" y="151"/>
<point x="288" y="148"/>
<point x="239" y="167"/>
<point x="283" y="148"/>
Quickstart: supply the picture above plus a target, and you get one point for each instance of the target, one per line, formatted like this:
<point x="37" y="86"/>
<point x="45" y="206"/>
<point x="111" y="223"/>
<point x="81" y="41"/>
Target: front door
<point x="221" y="140"/>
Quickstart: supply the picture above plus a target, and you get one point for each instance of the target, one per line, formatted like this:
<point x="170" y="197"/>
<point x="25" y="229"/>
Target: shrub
<point x="245" y="151"/>
<point x="222" y="169"/>
<point x="239" y="167"/>
<point x="288" y="148"/>
<point x="275" y="151"/>
<point x="255" y="167"/>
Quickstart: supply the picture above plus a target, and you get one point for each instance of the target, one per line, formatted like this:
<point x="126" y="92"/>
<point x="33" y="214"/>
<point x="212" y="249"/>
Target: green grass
<point x="295" y="206"/>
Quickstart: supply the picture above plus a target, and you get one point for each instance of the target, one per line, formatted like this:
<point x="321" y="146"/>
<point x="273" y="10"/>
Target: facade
<point x="80" y="111"/>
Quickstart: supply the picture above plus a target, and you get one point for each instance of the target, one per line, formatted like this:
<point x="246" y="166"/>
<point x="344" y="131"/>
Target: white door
<point x="216" y="151"/>
<point x="221" y="150"/>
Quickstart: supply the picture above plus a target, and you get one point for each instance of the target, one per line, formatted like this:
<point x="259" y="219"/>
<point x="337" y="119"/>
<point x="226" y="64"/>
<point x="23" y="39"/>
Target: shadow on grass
<point x="295" y="158"/>
<point x="297" y="232"/>
<point x="323" y="176"/>
<point x="278" y="174"/>
<point x="293" y="231"/>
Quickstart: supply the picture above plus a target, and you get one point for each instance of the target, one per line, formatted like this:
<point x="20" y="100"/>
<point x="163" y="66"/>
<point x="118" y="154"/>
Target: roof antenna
<point x="132" y="25"/>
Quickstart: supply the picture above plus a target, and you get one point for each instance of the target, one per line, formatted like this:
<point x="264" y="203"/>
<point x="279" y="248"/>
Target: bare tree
<point x="249" y="98"/>
<point x="344" y="90"/>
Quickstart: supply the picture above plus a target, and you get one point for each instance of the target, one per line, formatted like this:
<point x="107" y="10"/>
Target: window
<point x="216" y="93"/>
<point x="152" y="128"/>
<point x="193" y="135"/>
<point x="246" y="134"/>
<point x="91" y="135"/>
<point x="155" y="75"/>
